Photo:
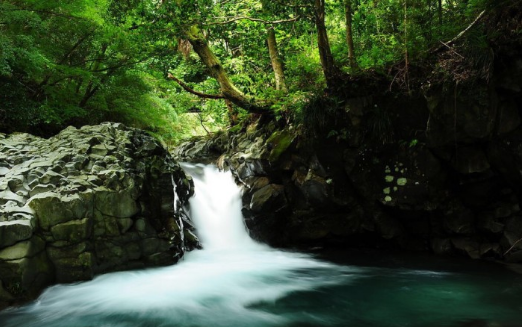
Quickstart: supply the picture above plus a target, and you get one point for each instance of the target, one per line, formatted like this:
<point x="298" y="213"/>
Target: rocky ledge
<point x="432" y="174"/>
<point x="84" y="202"/>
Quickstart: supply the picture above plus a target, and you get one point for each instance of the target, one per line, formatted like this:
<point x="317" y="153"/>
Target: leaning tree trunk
<point x="277" y="65"/>
<point x="325" y="53"/>
<point x="349" y="33"/>
<point x="228" y="89"/>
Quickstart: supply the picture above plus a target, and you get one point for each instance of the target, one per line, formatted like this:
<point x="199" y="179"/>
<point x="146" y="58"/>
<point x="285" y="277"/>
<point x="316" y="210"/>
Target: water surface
<point x="235" y="281"/>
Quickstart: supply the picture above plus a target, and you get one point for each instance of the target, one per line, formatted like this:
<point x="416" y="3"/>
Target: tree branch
<point x="43" y="12"/>
<point x="259" y="20"/>
<point x="467" y="28"/>
<point x="512" y="247"/>
<point x="201" y="122"/>
<point x="126" y="63"/>
<point x="470" y="26"/>
<point x="188" y="89"/>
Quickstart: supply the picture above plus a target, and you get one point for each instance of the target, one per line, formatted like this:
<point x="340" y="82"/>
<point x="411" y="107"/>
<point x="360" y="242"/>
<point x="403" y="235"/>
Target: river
<point x="235" y="281"/>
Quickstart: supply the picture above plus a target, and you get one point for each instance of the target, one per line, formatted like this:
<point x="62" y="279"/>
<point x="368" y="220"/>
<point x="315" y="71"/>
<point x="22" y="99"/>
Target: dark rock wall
<point x="439" y="173"/>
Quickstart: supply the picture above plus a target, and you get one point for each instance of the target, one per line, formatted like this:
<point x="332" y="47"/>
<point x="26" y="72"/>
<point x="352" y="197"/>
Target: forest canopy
<point x="182" y="67"/>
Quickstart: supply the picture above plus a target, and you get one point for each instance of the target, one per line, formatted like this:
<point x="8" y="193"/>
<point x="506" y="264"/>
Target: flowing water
<point x="235" y="281"/>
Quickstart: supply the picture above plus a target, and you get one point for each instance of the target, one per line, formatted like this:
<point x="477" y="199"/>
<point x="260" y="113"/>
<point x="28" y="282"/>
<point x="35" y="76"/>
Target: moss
<point x="235" y="129"/>
<point x="279" y="142"/>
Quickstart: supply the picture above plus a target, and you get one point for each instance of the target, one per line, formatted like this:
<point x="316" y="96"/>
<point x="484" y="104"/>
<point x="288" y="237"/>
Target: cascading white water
<point x="216" y="210"/>
<point x="220" y="285"/>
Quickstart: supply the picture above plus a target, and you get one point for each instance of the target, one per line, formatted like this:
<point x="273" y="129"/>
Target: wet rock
<point x="14" y="231"/>
<point x="269" y="198"/>
<point x="389" y="227"/>
<point x="4" y="295"/>
<point x="459" y="221"/>
<point x="441" y="246"/>
<point x="80" y="203"/>
<point x="512" y="238"/>
<point x="73" y="231"/>
<point x="469" y="160"/>
<point x="53" y="209"/>
<point x="22" y="250"/>
<point x="467" y="246"/>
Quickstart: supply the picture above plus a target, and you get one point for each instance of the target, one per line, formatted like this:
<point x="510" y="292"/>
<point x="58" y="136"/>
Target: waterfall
<point x="180" y="221"/>
<point x="215" y="210"/>
<point x="221" y="285"/>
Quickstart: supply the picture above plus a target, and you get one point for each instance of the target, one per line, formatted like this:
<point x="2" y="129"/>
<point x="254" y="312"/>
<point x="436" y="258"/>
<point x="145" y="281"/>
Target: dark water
<point x="236" y="282"/>
<point x="412" y="290"/>
<point x="266" y="287"/>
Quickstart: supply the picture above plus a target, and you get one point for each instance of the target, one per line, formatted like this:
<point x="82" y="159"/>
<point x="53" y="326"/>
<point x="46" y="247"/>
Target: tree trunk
<point x="91" y="89"/>
<point x="349" y="33"/>
<point x="233" y="114"/>
<point x="275" y="60"/>
<point x="406" y="52"/>
<point x="325" y="53"/>
<point x="277" y="65"/>
<point x="440" y="12"/>
<point x="228" y="89"/>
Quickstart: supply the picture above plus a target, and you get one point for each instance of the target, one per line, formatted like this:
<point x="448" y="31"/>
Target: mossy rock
<point x="279" y="142"/>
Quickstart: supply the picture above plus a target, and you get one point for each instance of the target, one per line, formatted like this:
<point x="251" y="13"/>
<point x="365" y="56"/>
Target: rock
<point x="278" y="143"/>
<point x="3" y="171"/>
<point x="14" y="231"/>
<point x="116" y="204"/>
<point x="510" y="118"/>
<point x="53" y="209"/>
<point x="514" y="256"/>
<point x="22" y="250"/>
<point x="467" y="246"/>
<point x="82" y="203"/>
<point x="459" y="222"/>
<point x="315" y="189"/>
<point x="450" y="180"/>
<point x="388" y="227"/>
<point x="41" y="188"/>
<point x="469" y="160"/>
<point x="4" y="295"/>
<point x="73" y="231"/>
<point x="487" y="223"/>
<point x="269" y="198"/>
<point x="513" y="234"/>
<point x="7" y="195"/>
<point x="125" y="224"/>
<point x="441" y="246"/>
<point x="74" y="269"/>
<point x="25" y="277"/>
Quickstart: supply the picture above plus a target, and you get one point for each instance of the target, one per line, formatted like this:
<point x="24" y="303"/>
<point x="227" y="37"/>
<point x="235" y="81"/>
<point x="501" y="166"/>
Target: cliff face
<point x="84" y="202"/>
<point x="436" y="173"/>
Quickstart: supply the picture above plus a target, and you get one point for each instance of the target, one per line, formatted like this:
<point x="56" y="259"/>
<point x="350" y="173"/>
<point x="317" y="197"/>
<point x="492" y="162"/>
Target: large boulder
<point x="84" y="202"/>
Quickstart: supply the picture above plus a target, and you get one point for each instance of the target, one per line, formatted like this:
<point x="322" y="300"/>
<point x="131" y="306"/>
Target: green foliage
<point x="320" y="113"/>
<point x="380" y="128"/>
<point x="87" y="61"/>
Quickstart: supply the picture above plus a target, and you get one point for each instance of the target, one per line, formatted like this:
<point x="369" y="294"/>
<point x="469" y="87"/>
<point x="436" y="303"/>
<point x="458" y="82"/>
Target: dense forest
<point x="178" y="68"/>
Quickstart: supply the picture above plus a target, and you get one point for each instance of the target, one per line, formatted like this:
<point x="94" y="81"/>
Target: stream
<point x="235" y="281"/>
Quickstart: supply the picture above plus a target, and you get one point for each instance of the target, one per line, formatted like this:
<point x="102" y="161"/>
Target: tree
<point x="277" y="65"/>
<point x="349" y="33"/>
<point x="327" y="62"/>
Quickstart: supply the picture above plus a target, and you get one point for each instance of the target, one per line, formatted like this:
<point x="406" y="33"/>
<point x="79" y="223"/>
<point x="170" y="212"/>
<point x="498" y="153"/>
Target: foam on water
<point x="217" y="286"/>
